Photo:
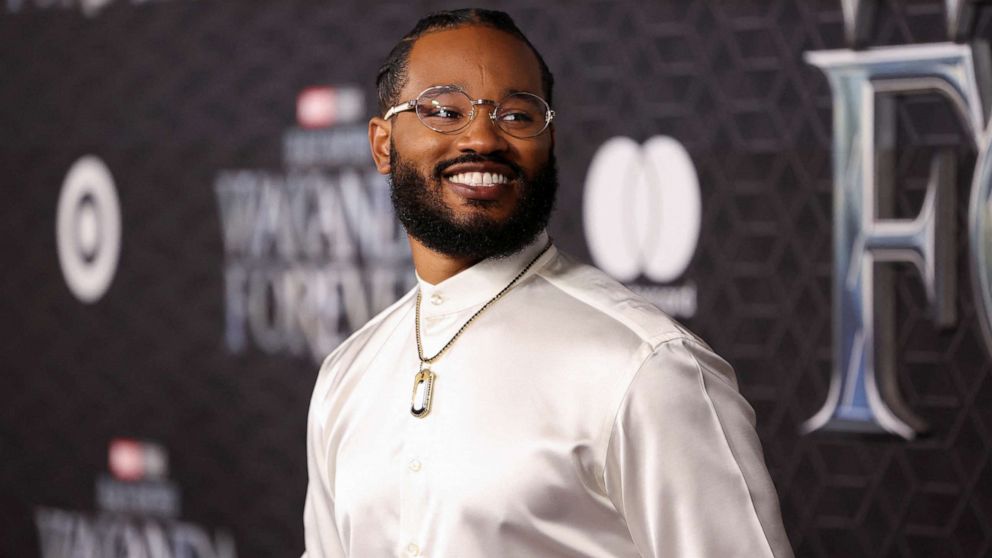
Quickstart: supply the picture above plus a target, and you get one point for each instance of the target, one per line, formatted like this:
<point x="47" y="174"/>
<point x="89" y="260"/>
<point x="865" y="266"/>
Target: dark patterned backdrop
<point x="171" y="93"/>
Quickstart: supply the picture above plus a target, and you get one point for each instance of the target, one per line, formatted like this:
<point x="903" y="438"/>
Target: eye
<point x="443" y="112"/>
<point x="516" y="116"/>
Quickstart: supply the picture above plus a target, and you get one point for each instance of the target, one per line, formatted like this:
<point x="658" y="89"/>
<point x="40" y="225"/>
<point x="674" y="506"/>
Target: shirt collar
<point x="481" y="282"/>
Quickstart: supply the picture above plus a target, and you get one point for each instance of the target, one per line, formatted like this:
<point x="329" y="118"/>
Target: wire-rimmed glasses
<point x="448" y="109"/>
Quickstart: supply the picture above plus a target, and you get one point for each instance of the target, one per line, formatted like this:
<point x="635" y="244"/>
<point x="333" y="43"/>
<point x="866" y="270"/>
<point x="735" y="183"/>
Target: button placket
<point x="411" y="491"/>
<point x="416" y="448"/>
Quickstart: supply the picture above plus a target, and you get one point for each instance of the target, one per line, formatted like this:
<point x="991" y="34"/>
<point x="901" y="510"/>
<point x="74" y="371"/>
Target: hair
<point x="392" y="74"/>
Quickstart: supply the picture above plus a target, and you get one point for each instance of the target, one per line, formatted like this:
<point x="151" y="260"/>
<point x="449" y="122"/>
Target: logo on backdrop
<point x="864" y="395"/>
<point x="88" y="229"/>
<point x="323" y="106"/>
<point x="642" y="214"/>
<point x="138" y="514"/>
<point x="312" y="251"/>
<point x="89" y="8"/>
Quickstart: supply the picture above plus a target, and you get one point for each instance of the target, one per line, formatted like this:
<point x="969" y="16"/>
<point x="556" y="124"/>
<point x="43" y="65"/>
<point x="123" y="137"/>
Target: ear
<point x="379" y="134"/>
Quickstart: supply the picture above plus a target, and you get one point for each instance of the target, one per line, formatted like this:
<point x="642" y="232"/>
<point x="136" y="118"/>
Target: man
<point x="516" y="403"/>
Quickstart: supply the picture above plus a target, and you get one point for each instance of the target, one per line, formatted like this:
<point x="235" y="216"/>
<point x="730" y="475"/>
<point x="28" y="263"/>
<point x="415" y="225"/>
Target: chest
<point x="512" y="438"/>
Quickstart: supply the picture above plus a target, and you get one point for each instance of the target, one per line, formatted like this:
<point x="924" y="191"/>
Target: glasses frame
<point x="549" y="114"/>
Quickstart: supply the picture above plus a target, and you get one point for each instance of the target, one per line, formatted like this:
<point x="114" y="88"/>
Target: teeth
<point x="479" y="178"/>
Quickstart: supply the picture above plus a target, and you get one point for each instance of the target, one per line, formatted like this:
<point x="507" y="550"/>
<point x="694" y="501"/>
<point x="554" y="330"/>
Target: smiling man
<point x="516" y="403"/>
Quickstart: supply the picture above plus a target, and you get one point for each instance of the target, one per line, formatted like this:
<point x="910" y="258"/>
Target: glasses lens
<point x="522" y="115"/>
<point x="444" y="109"/>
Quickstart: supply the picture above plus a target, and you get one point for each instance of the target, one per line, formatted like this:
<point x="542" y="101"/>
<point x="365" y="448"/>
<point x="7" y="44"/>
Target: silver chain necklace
<point x="423" y="382"/>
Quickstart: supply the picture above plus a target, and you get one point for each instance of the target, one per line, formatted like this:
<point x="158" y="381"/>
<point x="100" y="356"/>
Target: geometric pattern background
<point x="171" y="93"/>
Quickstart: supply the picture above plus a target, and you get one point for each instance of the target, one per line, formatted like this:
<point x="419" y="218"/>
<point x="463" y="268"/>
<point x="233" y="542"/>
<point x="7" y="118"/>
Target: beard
<point x="419" y="204"/>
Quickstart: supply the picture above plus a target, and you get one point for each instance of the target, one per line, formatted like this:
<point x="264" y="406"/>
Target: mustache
<point x="477" y="158"/>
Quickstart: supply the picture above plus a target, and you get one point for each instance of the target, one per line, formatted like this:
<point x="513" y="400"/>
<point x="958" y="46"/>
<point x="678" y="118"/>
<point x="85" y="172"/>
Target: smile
<point x="479" y="178"/>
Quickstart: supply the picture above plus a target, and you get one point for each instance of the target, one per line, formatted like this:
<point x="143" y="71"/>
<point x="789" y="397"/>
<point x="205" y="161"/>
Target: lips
<point x="479" y="183"/>
<point x="479" y="177"/>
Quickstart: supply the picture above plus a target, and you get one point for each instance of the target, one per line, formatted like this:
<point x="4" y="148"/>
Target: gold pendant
<point x="423" y="391"/>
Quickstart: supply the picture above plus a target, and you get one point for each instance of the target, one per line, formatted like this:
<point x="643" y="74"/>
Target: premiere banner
<point x="191" y="221"/>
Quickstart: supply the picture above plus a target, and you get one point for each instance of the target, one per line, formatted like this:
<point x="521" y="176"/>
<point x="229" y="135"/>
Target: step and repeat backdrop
<point x="190" y="220"/>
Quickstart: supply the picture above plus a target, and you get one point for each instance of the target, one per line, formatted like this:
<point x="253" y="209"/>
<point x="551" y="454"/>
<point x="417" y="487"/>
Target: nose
<point x="481" y="135"/>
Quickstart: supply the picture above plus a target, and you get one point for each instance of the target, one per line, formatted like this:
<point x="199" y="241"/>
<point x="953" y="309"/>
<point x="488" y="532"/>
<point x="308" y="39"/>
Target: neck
<point x="435" y="267"/>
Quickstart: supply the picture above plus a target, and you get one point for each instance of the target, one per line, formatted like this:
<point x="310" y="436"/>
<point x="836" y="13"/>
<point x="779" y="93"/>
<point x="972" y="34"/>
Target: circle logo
<point x="642" y="210"/>
<point x="88" y="229"/>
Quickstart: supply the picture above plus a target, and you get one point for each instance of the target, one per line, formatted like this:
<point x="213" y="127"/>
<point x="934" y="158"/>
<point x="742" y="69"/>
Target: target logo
<point x="88" y="229"/>
<point x="642" y="210"/>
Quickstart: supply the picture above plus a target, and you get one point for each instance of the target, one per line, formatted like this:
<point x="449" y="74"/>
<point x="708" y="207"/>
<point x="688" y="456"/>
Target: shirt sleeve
<point x="684" y="465"/>
<point x="320" y="529"/>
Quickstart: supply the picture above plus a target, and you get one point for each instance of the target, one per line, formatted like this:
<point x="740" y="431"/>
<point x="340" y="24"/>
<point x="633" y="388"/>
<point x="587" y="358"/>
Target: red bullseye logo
<point x="133" y="460"/>
<point x="323" y="106"/>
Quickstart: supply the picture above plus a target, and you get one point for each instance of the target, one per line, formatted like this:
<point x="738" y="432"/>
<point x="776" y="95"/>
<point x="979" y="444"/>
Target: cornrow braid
<point x="392" y="74"/>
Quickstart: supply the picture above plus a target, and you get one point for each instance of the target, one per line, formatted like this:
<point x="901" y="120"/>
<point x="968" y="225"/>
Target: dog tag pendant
<point x="423" y="391"/>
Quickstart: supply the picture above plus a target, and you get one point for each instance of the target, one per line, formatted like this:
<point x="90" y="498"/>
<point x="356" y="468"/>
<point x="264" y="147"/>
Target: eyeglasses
<point x="448" y="109"/>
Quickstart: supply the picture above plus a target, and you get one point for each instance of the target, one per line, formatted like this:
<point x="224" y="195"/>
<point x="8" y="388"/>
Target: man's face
<point x="434" y="196"/>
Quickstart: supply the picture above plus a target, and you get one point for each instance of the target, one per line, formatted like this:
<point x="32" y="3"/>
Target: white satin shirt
<point x="571" y="419"/>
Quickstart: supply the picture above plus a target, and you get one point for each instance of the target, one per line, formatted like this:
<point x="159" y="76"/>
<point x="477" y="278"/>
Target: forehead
<point x="484" y="61"/>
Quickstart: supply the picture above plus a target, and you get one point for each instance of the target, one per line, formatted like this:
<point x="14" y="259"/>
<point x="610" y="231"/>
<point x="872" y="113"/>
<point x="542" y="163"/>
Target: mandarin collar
<point x="481" y="282"/>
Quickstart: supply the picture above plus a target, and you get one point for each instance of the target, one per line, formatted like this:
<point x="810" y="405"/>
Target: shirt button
<point x="414" y="465"/>
<point x="436" y="299"/>
<point x="413" y="550"/>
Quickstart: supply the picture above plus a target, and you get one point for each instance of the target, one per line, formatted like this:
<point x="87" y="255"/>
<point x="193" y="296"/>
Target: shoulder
<point x="610" y="304"/>
<point x="356" y="344"/>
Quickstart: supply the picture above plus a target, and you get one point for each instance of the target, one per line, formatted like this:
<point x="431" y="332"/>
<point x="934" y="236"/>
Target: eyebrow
<point x="512" y="91"/>
<point x="506" y="92"/>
